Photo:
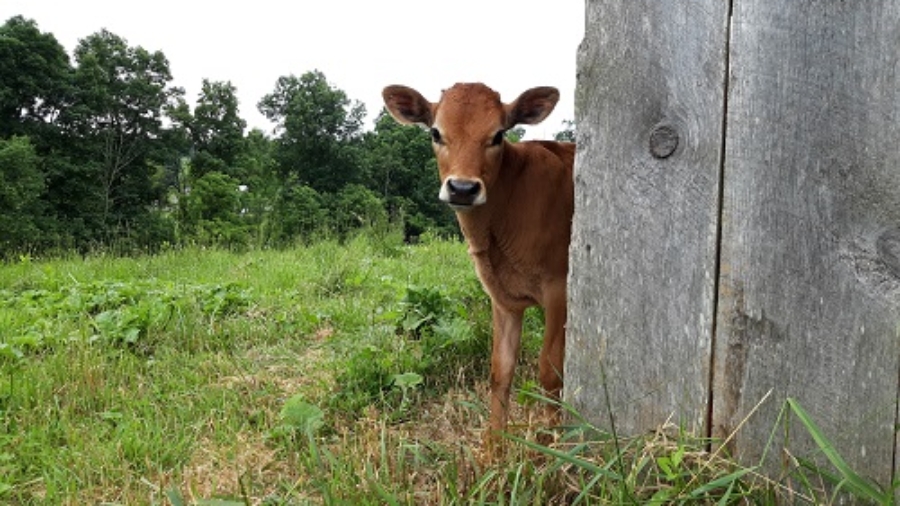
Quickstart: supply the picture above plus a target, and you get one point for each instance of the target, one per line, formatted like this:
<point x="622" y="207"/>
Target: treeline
<point x="104" y="152"/>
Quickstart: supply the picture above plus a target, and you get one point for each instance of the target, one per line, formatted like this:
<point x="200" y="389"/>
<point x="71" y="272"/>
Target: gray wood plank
<point x="650" y="108"/>
<point x="810" y="273"/>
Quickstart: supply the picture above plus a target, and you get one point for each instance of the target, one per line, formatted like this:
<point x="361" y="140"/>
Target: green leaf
<point x="407" y="380"/>
<point x="665" y="465"/>
<point x="131" y="335"/>
<point x="175" y="497"/>
<point x="726" y="480"/>
<point x="297" y="414"/>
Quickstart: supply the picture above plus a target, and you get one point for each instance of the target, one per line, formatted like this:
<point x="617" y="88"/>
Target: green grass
<point x="325" y="374"/>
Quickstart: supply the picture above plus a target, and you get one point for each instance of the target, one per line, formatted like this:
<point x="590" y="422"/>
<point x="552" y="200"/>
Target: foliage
<point x="401" y="168"/>
<point x="34" y="78"/>
<point x="846" y="481"/>
<point x="319" y="131"/>
<point x="122" y="314"/>
<point x="430" y="330"/>
<point x="567" y="134"/>
<point x="212" y="212"/>
<point x="121" y="96"/>
<point x="300" y="213"/>
<point x="120" y="161"/>
<point x="325" y="373"/>
<point x="515" y="134"/>
<point x="217" y="130"/>
<point x="355" y="207"/>
<point x="299" y="416"/>
<point x="21" y="187"/>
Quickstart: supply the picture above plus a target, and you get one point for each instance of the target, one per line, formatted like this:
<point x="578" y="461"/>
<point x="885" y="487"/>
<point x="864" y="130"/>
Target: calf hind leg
<point x="552" y="356"/>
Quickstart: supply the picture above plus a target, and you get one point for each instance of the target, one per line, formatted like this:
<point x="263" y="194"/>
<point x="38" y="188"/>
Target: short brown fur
<point x="518" y="236"/>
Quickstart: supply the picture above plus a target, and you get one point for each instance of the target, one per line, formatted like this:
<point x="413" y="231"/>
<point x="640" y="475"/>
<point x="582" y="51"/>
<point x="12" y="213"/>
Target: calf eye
<point x="498" y="138"/>
<point x="436" y="136"/>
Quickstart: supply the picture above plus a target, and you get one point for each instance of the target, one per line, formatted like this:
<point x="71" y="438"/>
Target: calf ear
<point x="532" y="106"/>
<point x="407" y="105"/>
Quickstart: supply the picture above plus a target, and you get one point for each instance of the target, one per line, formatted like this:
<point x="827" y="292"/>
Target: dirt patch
<point x="246" y="464"/>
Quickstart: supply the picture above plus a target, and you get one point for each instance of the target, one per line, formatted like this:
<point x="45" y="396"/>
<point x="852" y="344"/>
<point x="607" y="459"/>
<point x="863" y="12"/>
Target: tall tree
<point x="318" y="129"/>
<point x="34" y="77"/>
<point x="256" y="171"/>
<point x="122" y="94"/>
<point x="217" y="130"/>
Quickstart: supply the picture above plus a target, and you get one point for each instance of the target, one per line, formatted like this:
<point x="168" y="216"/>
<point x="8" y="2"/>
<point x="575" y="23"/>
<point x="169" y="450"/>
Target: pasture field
<point x="325" y="374"/>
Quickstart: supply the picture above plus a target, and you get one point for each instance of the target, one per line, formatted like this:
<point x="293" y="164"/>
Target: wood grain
<point x="737" y="224"/>
<point x="650" y="110"/>
<point x="809" y="287"/>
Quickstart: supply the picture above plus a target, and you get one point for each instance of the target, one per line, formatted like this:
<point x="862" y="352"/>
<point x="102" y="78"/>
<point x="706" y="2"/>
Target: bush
<point x="21" y="186"/>
<point x="299" y="214"/>
<point x="432" y="335"/>
<point x="356" y="207"/>
<point x="211" y="212"/>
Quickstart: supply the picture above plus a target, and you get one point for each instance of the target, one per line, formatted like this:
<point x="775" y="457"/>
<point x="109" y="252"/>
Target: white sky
<point x="360" y="45"/>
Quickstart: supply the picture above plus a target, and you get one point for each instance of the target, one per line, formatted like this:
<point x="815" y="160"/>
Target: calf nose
<point x="463" y="189"/>
<point x="463" y="194"/>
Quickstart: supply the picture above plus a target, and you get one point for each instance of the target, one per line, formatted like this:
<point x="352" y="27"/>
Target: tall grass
<point x="326" y="374"/>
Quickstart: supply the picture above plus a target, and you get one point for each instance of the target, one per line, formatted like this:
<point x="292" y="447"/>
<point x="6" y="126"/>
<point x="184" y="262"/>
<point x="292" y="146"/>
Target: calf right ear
<point x="407" y="105"/>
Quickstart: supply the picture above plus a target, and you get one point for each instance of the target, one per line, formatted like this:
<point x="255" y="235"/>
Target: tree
<point x="300" y="212"/>
<point x="567" y="134"/>
<point x="213" y="210"/>
<point x="515" y="134"/>
<point x="217" y="130"/>
<point x="34" y="77"/>
<point x="121" y="96"/>
<point x="401" y="169"/>
<point x="255" y="169"/>
<point x="21" y="186"/>
<point x="318" y="131"/>
<point x="355" y="207"/>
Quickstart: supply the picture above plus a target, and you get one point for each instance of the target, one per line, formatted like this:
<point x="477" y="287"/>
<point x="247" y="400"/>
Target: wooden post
<point x="650" y="105"/>
<point x="737" y="222"/>
<point x="809" y="291"/>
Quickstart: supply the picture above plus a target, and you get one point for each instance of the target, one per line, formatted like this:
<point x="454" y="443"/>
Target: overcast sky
<point x="360" y="45"/>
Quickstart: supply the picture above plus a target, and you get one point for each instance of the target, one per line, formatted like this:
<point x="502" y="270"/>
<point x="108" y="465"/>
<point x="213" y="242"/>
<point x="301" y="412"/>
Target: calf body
<point x="514" y="203"/>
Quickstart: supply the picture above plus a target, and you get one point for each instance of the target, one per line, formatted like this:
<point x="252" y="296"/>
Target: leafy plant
<point x="300" y="417"/>
<point x="422" y="307"/>
<point x="120" y="313"/>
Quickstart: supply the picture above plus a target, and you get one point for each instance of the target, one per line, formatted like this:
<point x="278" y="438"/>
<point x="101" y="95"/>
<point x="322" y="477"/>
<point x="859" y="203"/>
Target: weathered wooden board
<point x="810" y="273"/>
<point x="650" y="109"/>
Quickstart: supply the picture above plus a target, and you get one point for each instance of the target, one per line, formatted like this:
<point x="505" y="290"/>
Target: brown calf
<point x="514" y="204"/>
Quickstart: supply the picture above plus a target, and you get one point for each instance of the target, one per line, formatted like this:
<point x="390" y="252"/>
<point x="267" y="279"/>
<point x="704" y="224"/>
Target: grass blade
<point x="568" y="458"/>
<point x="726" y="480"/>
<point x="851" y="481"/>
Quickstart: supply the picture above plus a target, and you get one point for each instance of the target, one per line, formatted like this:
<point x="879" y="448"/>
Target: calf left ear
<point x="532" y="106"/>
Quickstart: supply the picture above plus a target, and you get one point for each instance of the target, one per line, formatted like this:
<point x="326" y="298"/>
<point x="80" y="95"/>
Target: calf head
<point x="467" y="131"/>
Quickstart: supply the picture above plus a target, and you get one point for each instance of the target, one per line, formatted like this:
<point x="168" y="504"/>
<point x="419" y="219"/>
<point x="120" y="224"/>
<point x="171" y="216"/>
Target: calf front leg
<point x="507" y="325"/>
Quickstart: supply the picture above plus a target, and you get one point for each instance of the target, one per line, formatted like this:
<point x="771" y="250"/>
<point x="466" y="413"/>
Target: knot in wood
<point x="663" y="141"/>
